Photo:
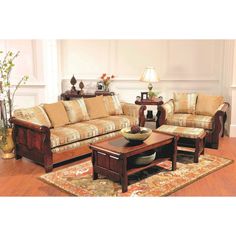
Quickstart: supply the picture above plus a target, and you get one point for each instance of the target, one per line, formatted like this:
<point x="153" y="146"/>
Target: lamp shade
<point x="149" y="75"/>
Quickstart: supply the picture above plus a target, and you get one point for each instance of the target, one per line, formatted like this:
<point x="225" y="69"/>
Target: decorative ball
<point x="135" y="129"/>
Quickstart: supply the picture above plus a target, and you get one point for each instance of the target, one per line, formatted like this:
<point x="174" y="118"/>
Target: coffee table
<point x="110" y="157"/>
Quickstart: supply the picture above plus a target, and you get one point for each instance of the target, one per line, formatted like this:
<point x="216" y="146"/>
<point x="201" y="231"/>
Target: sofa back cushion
<point x="35" y="115"/>
<point x="185" y="102"/>
<point x="76" y="110"/>
<point x="96" y="107"/>
<point x="113" y="105"/>
<point x="57" y="114"/>
<point x="208" y="104"/>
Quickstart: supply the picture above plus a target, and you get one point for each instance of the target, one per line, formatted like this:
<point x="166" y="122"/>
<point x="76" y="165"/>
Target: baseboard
<point x="232" y="132"/>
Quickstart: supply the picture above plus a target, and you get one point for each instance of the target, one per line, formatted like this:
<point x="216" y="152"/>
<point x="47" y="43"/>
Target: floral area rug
<point x="156" y="181"/>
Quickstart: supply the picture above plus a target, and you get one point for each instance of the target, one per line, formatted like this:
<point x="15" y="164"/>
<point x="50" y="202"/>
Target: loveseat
<point x="52" y="133"/>
<point x="196" y="110"/>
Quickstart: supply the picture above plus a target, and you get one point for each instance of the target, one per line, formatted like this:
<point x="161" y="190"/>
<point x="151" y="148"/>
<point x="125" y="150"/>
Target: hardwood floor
<point x="20" y="177"/>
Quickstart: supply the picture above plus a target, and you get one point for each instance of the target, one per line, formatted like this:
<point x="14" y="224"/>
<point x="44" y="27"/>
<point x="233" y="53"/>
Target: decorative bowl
<point x="137" y="137"/>
<point x="141" y="160"/>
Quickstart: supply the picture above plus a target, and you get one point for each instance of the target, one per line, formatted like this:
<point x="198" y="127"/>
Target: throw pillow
<point x="35" y="115"/>
<point x="76" y="110"/>
<point x="208" y="104"/>
<point x="96" y="107"/>
<point x="185" y="102"/>
<point x="113" y="105"/>
<point x="57" y="114"/>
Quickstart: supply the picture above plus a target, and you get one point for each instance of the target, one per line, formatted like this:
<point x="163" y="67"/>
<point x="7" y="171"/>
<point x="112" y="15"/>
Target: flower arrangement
<point x="106" y="80"/>
<point x="7" y="94"/>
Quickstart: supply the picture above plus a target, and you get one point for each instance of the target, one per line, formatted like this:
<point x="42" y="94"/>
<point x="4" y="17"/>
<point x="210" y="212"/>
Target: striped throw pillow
<point x="185" y="102"/>
<point x="113" y="105"/>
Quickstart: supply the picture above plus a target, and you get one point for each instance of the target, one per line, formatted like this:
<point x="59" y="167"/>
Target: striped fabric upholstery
<point x="185" y="102"/>
<point x="169" y="108"/>
<point x="88" y="129"/>
<point x="184" y="132"/>
<point x="84" y="142"/>
<point x="189" y="120"/>
<point x="76" y="110"/>
<point x="130" y="109"/>
<point x="113" y="105"/>
<point x="35" y="115"/>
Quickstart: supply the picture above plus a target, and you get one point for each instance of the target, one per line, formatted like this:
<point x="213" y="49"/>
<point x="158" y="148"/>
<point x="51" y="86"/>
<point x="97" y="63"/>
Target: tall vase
<point x="7" y="149"/>
<point x="106" y="88"/>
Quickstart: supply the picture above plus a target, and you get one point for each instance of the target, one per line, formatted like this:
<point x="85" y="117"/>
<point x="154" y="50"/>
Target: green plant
<point x="7" y="91"/>
<point x="152" y="94"/>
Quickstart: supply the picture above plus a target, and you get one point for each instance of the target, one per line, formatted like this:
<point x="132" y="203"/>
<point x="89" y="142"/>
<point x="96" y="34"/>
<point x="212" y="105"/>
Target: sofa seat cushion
<point x="189" y="120"/>
<point x="88" y="129"/>
<point x="184" y="132"/>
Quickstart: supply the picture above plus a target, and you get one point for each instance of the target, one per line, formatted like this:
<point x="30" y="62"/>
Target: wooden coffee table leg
<point x="174" y="153"/>
<point x="124" y="176"/>
<point x="197" y="150"/>
<point x="94" y="155"/>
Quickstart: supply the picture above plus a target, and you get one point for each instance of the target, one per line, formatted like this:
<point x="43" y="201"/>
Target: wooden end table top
<point x="119" y="146"/>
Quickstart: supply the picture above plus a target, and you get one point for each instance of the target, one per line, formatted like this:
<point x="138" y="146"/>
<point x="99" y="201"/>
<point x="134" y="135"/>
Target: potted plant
<point x="7" y="95"/>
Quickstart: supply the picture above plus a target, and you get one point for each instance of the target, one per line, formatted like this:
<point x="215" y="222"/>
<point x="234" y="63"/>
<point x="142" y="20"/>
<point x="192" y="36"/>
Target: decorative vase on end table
<point x="8" y="146"/>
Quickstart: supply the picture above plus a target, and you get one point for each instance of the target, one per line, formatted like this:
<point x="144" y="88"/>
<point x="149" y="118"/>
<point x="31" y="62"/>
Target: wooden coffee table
<point x="110" y="157"/>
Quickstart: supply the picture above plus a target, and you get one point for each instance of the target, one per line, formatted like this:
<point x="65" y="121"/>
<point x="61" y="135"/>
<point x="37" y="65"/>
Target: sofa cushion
<point x="57" y="114"/>
<point x="76" y="110"/>
<point x="185" y="102"/>
<point x="96" y="107"/>
<point x="35" y="115"/>
<point x="208" y="104"/>
<point x="88" y="129"/>
<point x="189" y="120"/>
<point x="184" y="132"/>
<point x="113" y="105"/>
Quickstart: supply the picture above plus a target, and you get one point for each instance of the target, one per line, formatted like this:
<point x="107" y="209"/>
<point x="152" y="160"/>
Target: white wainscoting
<point x="29" y="62"/>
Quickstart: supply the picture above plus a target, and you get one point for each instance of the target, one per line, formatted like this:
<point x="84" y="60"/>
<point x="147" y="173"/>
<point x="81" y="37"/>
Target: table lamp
<point x="149" y="75"/>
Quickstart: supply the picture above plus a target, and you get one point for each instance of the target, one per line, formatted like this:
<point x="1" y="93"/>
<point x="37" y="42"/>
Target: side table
<point x="149" y="102"/>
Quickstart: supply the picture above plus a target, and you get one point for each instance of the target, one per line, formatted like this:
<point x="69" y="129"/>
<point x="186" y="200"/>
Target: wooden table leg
<point x="124" y="176"/>
<point x="197" y="150"/>
<point x="94" y="155"/>
<point x="174" y="152"/>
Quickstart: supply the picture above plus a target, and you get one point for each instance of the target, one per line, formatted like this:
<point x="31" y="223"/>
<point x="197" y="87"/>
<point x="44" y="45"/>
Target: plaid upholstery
<point x="169" y="108"/>
<point x="130" y="109"/>
<point x="189" y="120"/>
<point x="84" y="142"/>
<point x="184" y="132"/>
<point x="35" y="115"/>
<point x="185" y="102"/>
<point x="89" y="129"/>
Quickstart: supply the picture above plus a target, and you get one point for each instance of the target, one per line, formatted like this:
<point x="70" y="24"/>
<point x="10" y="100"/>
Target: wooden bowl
<point x="138" y="137"/>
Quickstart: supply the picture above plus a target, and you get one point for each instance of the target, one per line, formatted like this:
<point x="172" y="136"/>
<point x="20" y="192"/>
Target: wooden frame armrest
<point x="223" y="108"/>
<point x="162" y="114"/>
<point x="29" y="125"/>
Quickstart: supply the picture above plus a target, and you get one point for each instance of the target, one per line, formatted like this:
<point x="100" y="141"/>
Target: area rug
<point x="156" y="181"/>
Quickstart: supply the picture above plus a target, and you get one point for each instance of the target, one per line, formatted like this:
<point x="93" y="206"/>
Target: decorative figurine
<point x="73" y="82"/>
<point x="81" y="86"/>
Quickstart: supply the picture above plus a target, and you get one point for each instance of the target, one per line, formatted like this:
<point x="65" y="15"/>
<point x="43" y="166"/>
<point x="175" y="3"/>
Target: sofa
<point x="196" y="110"/>
<point x="49" y="134"/>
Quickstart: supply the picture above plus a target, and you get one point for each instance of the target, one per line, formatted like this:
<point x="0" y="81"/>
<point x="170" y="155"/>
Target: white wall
<point x="183" y="65"/>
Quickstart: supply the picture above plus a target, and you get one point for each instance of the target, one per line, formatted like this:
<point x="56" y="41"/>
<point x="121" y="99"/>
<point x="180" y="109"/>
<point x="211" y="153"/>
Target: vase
<point x="106" y="88"/>
<point x="7" y="149"/>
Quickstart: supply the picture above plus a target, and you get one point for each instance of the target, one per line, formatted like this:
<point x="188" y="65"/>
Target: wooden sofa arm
<point x="222" y="109"/>
<point x="162" y="114"/>
<point x="29" y="125"/>
<point x="32" y="141"/>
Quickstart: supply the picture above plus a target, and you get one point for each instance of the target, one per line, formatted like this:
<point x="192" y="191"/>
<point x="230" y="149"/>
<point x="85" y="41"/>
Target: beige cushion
<point x="185" y="102"/>
<point x="189" y="120"/>
<point x="35" y="115"/>
<point x="113" y="105"/>
<point x="208" y="104"/>
<point x="96" y="107"/>
<point x="184" y="132"/>
<point x="76" y="110"/>
<point x="88" y="129"/>
<point x="57" y="114"/>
